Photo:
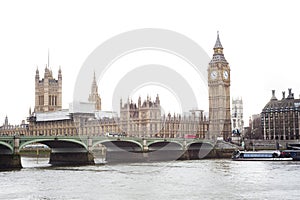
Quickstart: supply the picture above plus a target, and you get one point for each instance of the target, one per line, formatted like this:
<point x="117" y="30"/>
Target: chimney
<point x="273" y="95"/>
<point x="291" y="95"/>
<point x="283" y="95"/>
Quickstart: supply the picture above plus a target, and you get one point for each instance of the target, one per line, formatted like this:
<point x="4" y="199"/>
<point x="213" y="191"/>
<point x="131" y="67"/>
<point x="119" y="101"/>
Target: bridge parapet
<point x="87" y="142"/>
<point x="70" y="149"/>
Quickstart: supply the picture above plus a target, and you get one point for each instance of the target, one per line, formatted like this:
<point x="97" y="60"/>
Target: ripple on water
<point x="197" y="179"/>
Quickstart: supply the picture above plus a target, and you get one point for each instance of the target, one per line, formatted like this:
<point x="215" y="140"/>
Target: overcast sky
<point x="261" y="41"/>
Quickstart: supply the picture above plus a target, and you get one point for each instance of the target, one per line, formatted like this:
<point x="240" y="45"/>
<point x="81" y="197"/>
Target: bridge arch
<point x="121" y="144"/>
<point x="199" y="150"/>
<point x="54" y="143"/>
<point x="200" y="143"/>
<point x="160" y="144"/>
<point x="121" y="150"/>
<point x="6" y="148"/>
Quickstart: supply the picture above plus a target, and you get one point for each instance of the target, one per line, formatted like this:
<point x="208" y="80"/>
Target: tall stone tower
<point x="94" y="96"/>
<point x="48" y="91"/>
<point x="219" y="94"/>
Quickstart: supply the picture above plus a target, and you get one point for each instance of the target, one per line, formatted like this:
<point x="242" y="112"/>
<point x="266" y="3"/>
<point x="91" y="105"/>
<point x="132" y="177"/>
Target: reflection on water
<point x="198" y="179"/>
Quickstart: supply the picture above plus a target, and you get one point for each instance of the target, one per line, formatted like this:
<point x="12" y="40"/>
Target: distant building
<point x="9" y="130"/>
<point x="280" y="118"/>
<point x="237" y="120"/>
<point x="254" y="129"/>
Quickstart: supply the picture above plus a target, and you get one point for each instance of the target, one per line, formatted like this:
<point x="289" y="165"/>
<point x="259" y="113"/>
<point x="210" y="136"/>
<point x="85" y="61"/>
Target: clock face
<point x="225" y="75"/>
<point x="214" y="74"/>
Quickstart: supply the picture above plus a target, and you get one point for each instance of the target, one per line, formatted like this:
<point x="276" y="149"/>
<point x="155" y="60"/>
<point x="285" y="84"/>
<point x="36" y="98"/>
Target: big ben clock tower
<point x="219" y="94"/>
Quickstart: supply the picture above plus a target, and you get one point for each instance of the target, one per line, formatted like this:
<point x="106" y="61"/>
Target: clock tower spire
<point x="219" y="94"/>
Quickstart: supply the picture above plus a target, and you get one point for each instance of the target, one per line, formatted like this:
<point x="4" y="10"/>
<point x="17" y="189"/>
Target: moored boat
<point x="294" y="154"/>
<point x="260" y="156"/>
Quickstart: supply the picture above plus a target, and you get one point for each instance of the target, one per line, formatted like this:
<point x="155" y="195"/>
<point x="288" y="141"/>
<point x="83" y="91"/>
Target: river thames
<point x="196" y="179"/>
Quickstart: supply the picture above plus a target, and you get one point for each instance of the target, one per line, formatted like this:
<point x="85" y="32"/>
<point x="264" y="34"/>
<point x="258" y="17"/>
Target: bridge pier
<point x="16" y="145"/>
<point x="10" y="161"/>
<point x="71" y="158"/>
<point x="145" y="146"/>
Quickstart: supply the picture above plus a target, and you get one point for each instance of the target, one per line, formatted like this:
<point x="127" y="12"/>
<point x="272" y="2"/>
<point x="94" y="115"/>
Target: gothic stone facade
<point x="237" y="116"/>
<point x="142" y="119"/>
<point x="48" y="91"/>
<point x="145" y="120"/>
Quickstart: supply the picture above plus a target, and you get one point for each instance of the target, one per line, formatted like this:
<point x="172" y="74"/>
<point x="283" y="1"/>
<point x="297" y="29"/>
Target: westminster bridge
<point x="82" y="150"/>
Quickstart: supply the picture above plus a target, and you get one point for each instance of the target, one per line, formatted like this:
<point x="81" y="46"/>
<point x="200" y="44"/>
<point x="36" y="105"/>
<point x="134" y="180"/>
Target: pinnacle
<point x="218" y="44"/>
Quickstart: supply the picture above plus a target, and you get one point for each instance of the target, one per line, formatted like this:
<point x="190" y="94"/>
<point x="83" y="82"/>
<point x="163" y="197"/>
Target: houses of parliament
<point x="137" y="119"/>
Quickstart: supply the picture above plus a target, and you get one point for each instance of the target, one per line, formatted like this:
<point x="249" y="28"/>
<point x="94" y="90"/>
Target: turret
<point x="6" y="121"/>
<point x="59" y="74"/>
<point x="37" y="75"/>
<point x="139" y="102"/>
<point x="157" y="101"/>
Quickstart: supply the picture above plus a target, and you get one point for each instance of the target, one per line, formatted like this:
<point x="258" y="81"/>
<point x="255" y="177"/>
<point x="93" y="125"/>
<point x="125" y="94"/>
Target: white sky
<point x="260" y="39"/>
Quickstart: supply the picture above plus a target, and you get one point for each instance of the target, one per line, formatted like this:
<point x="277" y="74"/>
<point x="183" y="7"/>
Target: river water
<point x="197" y="179"/>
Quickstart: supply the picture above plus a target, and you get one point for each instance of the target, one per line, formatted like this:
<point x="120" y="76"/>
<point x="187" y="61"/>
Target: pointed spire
<point x="94" y="96"/>
<point x="139" y="102"/>
<point x="37" y="74"/>
<point x="94" y="80"/>
<point x="6" y="121"/>
<point x="94" y="85"/>
<point x="48" y="57"/>
<point x="218" y="55"/>
<point x="59" y="74"/>
<point x="218" y="44"/>
<point x="157" y="99"/>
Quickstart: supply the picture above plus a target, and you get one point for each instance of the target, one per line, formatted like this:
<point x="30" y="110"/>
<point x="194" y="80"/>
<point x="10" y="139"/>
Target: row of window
<point x="52" y="100"/>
